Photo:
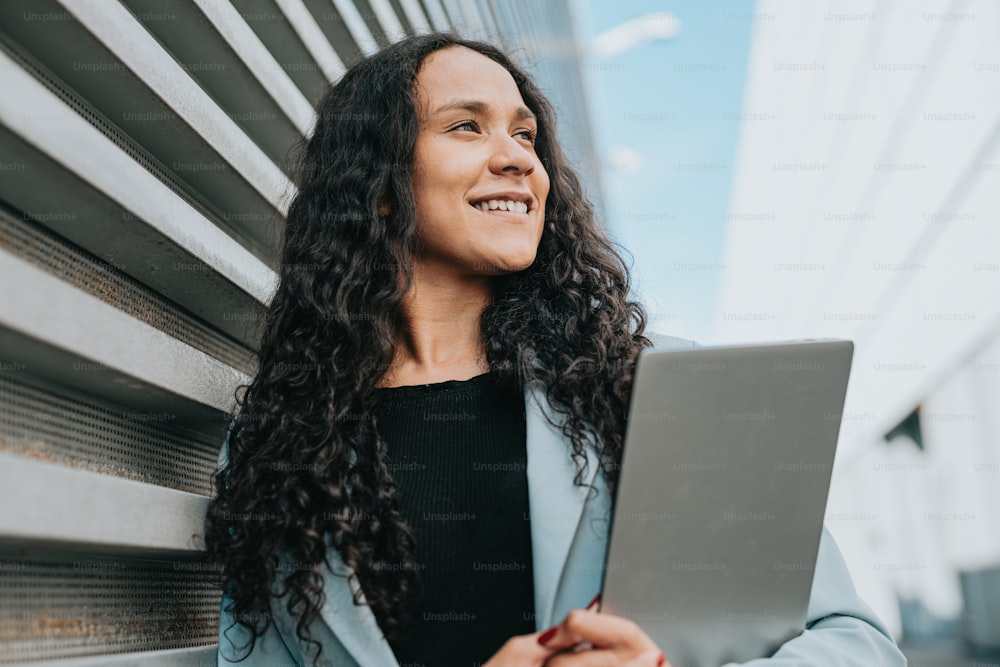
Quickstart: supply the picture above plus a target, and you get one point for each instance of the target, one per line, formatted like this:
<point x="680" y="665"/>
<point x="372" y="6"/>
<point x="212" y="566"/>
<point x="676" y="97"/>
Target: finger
<point x="651" y="658"/>
<point x="522" y="650"/>
<point x="594" y="658"/>
<point x="607" y="658"/>
<point x="601" y="630"/>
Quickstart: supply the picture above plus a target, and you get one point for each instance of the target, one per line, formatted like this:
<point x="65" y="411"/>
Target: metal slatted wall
<point x="143" y="186"/>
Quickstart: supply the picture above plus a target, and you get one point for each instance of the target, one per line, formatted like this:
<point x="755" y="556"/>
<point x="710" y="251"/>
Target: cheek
<point x="543" y="180"/>
<point x="543" y="190"/>
<point x="441" y="186"/>
<point x="426" y="196"/>
<point x="427" y="172"/>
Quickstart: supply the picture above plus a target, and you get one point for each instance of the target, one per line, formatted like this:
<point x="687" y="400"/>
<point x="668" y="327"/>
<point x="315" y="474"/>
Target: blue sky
<point x="665" y="123"/>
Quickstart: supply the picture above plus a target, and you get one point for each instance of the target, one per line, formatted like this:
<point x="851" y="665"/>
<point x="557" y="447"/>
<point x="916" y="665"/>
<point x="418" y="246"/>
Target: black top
<point x="457" y="452"/>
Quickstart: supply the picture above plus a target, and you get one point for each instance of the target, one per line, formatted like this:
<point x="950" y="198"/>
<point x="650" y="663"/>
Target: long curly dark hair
<point x="301" y="449"/>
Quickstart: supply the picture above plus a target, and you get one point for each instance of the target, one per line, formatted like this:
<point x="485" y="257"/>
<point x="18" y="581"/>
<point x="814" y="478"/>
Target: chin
<point x="508" y="258"/>
<point x="522" y="262"/>
<point x="520" y="266"/>
<point x="504" y="265"/>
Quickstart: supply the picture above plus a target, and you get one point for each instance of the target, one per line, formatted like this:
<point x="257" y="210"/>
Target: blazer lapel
<point x="354" y="626"/>
<point x="557" y="507"/>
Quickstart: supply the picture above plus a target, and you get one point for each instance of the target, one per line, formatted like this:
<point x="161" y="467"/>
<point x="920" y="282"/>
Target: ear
<point x="385" y="207"/>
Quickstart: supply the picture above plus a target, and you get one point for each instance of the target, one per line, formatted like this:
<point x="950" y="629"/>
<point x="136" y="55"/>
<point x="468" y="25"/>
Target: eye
<point x="531" y="134"/>
<point x="470" y="123"/>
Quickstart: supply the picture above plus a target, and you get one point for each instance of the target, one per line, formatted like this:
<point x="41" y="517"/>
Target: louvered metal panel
<point x="91" y="605"/>
<point x="222" y="53"/>
<point x="99" y="196"/>
<point x="40" y="423"/>
<point x="23" y="237"/>
<point x="291" y="34"/>
<point x="104" y="54"/>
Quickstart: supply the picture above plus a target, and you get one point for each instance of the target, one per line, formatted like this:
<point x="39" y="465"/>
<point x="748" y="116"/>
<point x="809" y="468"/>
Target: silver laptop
<point x="724" y="480"/>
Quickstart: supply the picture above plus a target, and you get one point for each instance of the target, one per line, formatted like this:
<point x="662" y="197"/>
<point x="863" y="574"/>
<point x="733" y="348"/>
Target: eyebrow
<point x="475" y="106"/>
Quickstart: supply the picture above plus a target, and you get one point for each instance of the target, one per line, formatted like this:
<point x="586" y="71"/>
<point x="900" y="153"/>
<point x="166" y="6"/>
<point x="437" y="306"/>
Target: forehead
<point x="461" y="72"/>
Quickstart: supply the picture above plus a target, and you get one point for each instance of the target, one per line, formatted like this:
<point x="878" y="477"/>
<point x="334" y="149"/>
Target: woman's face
<point x="475" y="146"/>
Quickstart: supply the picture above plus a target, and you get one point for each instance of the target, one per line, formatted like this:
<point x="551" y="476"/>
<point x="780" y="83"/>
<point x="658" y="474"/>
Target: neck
<point x="443" y="339"/>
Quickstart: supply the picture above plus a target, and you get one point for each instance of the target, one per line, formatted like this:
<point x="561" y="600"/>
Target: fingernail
<point x="593" y="602"/>
<point x="547" y="635"/>
<point x="662" y="659"/>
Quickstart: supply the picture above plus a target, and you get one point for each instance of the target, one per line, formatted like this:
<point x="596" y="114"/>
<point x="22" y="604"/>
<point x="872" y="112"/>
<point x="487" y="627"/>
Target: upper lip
<point x="507" y="196"/>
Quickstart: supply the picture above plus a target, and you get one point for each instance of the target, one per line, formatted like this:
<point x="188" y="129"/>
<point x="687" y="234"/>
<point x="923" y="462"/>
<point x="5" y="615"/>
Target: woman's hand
<point x="585" y="638"/>
<point x="521" y="651"/>
<point x="606" y="639"/>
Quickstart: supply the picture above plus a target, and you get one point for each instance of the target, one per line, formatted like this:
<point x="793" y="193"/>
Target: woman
<point x="439" y="408"/>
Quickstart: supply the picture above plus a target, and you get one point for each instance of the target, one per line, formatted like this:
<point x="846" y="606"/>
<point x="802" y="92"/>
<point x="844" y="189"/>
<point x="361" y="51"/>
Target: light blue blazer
<point x="568" y="560"/>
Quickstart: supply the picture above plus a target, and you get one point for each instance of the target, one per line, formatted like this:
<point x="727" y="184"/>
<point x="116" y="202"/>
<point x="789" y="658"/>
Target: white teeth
<point x="503" y="205"/>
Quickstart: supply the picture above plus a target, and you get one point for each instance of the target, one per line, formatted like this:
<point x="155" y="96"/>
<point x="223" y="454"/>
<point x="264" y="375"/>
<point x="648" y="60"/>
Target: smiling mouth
<point x="498" y="206"/>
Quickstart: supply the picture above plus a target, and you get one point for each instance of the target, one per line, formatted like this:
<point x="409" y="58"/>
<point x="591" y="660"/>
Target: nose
<point x="510" y="155"/>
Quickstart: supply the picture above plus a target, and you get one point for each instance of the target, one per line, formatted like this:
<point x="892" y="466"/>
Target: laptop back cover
<point x="723" y="489"/>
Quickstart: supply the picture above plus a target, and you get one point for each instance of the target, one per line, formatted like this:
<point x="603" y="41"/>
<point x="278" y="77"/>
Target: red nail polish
<point x="662" y="659"/>
<point x="547" y="635"/>
<point x="594" y="601"/>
